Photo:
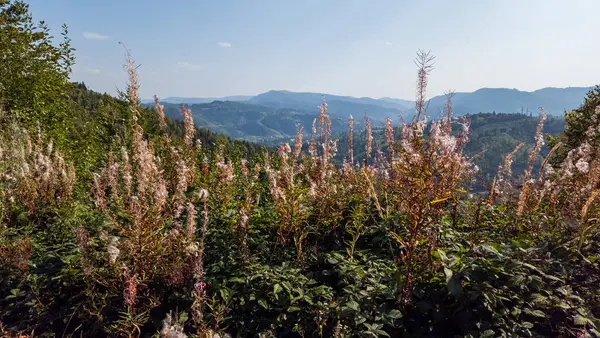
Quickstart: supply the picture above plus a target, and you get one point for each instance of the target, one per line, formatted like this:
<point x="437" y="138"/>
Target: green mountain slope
<point x="492" y="136"/>
<point x="251" y="122"/>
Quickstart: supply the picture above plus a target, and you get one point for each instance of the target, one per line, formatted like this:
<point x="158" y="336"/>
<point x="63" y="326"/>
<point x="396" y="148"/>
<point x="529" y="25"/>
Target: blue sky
<point x="349" y="47"/>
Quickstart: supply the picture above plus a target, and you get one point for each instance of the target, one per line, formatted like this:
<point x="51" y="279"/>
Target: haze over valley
<point x="274" y="114"/>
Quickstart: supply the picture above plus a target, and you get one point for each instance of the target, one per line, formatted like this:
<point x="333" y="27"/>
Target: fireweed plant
<point x="177" y="238"/>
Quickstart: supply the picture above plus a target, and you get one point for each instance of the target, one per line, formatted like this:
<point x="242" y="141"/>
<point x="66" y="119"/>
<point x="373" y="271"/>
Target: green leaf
<point x="224" y="293"/>
<point x="293" y="309"/>
<point x="536" y="313"/>
<point x="580" y="320"/>
<point x="276" y="290"/>
<point x="382" y="333"/>
<point x="538" y="298"/>
<point x="488" y="333"/>
<point x="448" y="274"/>
<point x="236" y="280"/>
<point x="527" y="325"/>
<point x="352" y="305"/>
<point x="394" y="314"/>
<point x="263" y="303"/>
<point x="517" y="279"/>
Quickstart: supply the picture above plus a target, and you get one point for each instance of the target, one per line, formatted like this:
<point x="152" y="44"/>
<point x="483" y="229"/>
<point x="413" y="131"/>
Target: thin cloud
<point x="188" y="66"/>
<point x="387" y="43"/>
<point x="224" y="44"/>
<point x="94" y="36"/>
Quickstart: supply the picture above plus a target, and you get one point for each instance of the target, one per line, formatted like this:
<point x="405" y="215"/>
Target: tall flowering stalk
<point x="424" y="62"/>
<point x="425" y="175"/>
<point x="152" y="220"/>
<point x="250" y="197"/>
<point x="133" y="87"/>
<point x="162" y="119"/>
<point x="350" y="140"/>
<point x="33" y="174"/>
<point x="368" y="140"/>
<point x="389" y="137"/>
<point x="447" y="120"/>
<point x="501" y="184"/>
<point x="298" y="144"/>
<point x="533" y="154"/>
<point x="301" y="189"/>
<point x="189" y="128"/>
<point x="289" y="201"/>
<point x="324" y="130"/>
<point x="199" y="293"/>
<point x="575" y="187"/>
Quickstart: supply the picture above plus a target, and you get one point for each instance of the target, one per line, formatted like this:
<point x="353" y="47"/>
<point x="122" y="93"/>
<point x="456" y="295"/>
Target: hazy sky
<point x="349" y="47"/>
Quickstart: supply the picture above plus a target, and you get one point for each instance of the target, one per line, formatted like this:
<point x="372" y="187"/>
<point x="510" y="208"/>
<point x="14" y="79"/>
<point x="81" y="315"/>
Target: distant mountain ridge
<point x="193" y="100"/>
<point x="276" y="114"/>
<point x="505" y="100"/>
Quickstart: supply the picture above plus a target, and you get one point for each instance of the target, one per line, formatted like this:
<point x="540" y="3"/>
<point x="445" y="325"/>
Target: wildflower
<point x="198" y="295"/>
<point x="113" y="250"/>
<point x="82" y="239"/>
<point x="182" y="179"/>
<point x="583" y="166"/>
<point x="389" y="136"/>
<point x="170" y="329"/>
<point x="244" y="167"/>
<point x="111" y="174"/>
<point x="312" y="147"/>
<point x="189" y="128"/>
<point x="535" y="149"/>
<point x="126" y="171"/>
<point x="368" y="139"/>
<point x="162" y="120"/>
<point x="226" y="170"/>
<point x="191" y="222"/>
<point x="324" y="130"/>
<point x="130" y="290"/>
<point x="298" y="143"/>
<point x="99" y="192"/>
<point x="350" y="136"/>
<point x="424" y="61"/>
<point x="160" y="192"/>
<point x="134" y="84"/>
<point x="203" y="195"/>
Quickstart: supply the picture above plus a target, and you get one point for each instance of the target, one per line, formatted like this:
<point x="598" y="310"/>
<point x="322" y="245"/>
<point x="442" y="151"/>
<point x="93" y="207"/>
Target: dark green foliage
<point x="34" y="72"/>
<point x="577" y="123"/>
<point x="102" y="123"/>
<point x="494" y="135"/>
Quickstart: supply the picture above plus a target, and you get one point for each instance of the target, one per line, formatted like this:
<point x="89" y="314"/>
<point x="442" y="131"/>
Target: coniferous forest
<point x="117" y="220"/>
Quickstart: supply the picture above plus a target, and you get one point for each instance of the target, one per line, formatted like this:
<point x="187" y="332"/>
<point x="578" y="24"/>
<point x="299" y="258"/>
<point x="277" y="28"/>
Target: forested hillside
<point x="492" y="136"/>
<point x="251" y="122"/>
<point x="119" y="221"/>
